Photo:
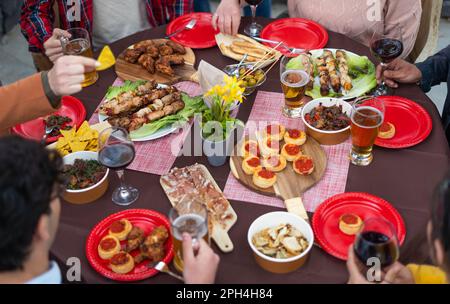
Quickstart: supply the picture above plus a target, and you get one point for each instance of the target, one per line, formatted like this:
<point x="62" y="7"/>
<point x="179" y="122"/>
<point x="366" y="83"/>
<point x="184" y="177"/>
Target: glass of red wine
<point x="377" y="239"/>
<point x="116" y="151"/>
<point x="253" y="29"/>
<point x="387" y="48"/>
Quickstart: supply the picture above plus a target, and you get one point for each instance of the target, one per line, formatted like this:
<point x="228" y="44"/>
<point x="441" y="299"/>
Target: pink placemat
<point x="157" y="156"/>
<point x="267" y="108"/>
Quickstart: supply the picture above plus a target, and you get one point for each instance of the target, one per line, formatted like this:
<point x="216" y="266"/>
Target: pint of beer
<point x="293" y="83"/>
<point x="188" y="216"/>
<point x="79" y="44"/>
<point x="367" y="116"/>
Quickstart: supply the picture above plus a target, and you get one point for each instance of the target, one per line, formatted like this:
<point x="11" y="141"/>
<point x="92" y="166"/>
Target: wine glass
<point x="386" y="47"/>
<point x="116" y="151"/>
<point x="377" y="239"/>
<point x="254" y="29"/>
<point x="188" y="216"/>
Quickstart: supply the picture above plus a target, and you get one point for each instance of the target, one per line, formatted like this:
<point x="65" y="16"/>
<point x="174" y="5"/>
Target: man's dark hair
<point x="28" y="176"/>
<point x="440" y="218"/>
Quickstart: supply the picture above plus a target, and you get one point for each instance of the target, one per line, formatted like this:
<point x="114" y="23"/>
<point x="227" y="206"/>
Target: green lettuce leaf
<point x="128" y="85"/>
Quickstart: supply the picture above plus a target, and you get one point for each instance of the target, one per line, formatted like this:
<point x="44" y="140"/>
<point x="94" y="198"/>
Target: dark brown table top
<point x="406" y="178"/>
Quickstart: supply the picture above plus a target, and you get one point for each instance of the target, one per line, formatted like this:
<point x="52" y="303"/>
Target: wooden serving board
<point x="290" y="186"/>
<point x="219" y="233"/>
<point x="133" y="72"/>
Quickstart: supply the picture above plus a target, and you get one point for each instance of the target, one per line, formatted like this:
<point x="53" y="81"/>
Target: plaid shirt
<point x="37" y="17"/>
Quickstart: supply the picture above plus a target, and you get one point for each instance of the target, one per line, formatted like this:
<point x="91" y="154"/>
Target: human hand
<point x="398" y="71"/>
<point x="53" y="47"/>
<point x="398" y="274"/>
<point x="67" y="74"/>
<point x="227" y="17"/>
<point x="355" y="269"/>
<point x="200" y="268"/>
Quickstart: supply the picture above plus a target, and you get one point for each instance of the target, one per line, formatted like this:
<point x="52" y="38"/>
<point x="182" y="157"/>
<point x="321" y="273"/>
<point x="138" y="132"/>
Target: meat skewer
<point x="324" y="76"/>
<point x="330" y="61"/>
<point x="346" y="81"/>
<point x="309" y="68"/>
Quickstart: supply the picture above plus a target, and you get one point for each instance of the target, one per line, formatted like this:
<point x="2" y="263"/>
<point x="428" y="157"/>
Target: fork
<point x="188" y="26"/>
<point x="162" y="267"/>
<point x="48" y="131"/>
<point x="292" y="50"/>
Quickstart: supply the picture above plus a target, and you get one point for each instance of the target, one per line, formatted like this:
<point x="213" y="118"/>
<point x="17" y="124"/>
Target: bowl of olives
<point x="251" y="78"/>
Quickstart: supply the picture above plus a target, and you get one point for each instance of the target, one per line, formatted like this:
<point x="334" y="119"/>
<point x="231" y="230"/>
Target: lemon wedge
<point x="106" y="59"/>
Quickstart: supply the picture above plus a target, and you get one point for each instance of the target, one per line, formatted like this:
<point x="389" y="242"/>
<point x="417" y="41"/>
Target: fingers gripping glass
<point x="79" y="44"/>
<point x="188" y="216"/>
<point x="377" y="240"/>
<point x="116" y="151"/>
<point x="386" y="47"/>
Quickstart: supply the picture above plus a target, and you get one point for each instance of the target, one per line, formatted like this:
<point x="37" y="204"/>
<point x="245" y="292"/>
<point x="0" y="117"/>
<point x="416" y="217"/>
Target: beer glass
<point x="293" y="83"/>
<point x="188" y="216"/>
<point x="79" y="44"/>
<point x="367" y="116"/>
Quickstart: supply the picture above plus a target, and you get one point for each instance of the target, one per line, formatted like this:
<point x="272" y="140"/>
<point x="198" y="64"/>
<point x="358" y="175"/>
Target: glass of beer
<point x="79" y="44"/>
<point x="188" y="216"/>
<point x="293" y="83"/>
<point x="367" y="116"/>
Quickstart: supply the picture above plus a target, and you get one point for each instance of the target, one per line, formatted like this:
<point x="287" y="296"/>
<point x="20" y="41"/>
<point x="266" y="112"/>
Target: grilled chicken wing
<point x="178" y="48"/>
<point x="148" y="63"/>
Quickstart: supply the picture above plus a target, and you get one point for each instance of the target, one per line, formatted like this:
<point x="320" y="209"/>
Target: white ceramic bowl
<point x="327" y="137"/>
<point x="274" y="219"/>
<point x="91" y="193"/>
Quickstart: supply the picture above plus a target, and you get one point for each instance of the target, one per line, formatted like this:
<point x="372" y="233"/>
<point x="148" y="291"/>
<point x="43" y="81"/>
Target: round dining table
<point x="406" y="178"/>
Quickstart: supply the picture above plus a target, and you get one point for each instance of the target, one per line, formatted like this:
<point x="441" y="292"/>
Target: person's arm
<point x="435" y="69"/>
<point x="39" y="94"/>
<point x="23" y="101"/>
<point x="36" y="22"/>
<point x="406" y="14"/>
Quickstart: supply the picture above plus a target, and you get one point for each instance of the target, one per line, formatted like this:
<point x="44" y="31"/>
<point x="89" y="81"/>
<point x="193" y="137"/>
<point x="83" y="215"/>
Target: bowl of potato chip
<point x="280" y="241"/>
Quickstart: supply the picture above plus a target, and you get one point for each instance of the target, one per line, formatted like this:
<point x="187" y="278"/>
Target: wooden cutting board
<point x="290" y="186"/>
<point x="219" y="233"/>
<point x="133" y="72"/>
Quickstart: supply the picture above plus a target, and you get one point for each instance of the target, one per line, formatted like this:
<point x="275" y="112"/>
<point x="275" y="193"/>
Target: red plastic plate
<point x="35" y="129"/>
<point x="325" y="221"/>
<point x="145" y="219"/>
<point x="297" y="33"/>
<point x="412" y="123"/>
<point x="200" y="37"/>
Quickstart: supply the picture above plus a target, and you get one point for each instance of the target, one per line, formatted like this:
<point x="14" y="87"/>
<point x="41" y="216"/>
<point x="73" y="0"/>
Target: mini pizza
<point x="250" y="147"/>
<point x="108" y="247"/>
<point x="386" y="130"/>
<point x="295" y="137"/>
<point x="274" y="163"/>
<point x="270" y="146"/>
<point x="120" y="229"/>
<point x="274" y="131"/>
<point x="303" y="165"/>
<point x="251" y="164"/>
<point x="291" y="152"/>
<point x="350" y="224"/>
<point x="264" y="178"/>
<point x="122" y="262"/>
